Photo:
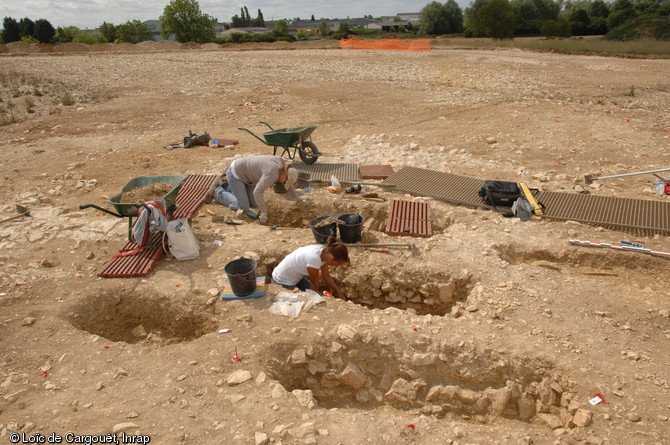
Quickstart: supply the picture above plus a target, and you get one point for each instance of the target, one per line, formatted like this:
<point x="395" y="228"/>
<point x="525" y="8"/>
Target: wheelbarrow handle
<point x="270" y="126"/>
<point x="252" y="133"/>
<point x="86" y="206"/>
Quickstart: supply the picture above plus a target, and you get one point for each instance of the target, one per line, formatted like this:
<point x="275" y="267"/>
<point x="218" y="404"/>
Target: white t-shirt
<point x="293" y="268"/>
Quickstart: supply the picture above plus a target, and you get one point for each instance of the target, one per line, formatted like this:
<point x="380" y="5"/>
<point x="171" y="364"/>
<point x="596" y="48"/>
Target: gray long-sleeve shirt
<point x="261" y="172"/>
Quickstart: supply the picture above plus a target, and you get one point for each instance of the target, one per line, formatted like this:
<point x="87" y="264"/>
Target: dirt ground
<point x="492" y="331"/>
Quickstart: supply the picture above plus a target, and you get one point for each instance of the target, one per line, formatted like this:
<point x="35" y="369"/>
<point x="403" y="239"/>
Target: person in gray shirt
<point x="249" y="177"/>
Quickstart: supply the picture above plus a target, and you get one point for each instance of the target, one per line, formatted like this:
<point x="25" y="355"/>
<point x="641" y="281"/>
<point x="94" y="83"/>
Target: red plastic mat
<point x="375" y="171"/>
<point x="408" y="218"/>
<point x="224" y="142"/>
<point x="189" y="199"/>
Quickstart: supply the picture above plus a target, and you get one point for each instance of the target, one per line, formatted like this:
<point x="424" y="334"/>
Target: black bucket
<point x="242" y="276"/>
<point x="322" y="233"/>
<point x="351" y="227"/>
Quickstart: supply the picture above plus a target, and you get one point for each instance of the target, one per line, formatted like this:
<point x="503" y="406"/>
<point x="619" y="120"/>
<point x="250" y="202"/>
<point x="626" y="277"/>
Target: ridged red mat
<point x="407" y="218"/>
<point x="189" y="199"/>
<point x="375" y="171"/>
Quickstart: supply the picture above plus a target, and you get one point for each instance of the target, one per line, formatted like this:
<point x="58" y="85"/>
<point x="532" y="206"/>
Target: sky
<point x="88" y="14"/>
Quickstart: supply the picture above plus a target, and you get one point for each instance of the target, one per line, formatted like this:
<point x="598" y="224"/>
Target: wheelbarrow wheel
<point x="309" y="153"/>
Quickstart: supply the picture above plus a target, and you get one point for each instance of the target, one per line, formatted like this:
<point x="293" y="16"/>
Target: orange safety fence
<point x="393" y="44"/>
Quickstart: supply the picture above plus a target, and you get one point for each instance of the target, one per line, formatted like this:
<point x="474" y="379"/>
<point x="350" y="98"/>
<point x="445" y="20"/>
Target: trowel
<point x="22" y="212"/>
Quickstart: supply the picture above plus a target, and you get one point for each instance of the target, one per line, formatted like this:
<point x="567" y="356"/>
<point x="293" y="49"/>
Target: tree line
<point x="42" y="31"/>
<point x="505" y="19"/>
<point x="181" y="18"/>
<point x="498" y="19"/>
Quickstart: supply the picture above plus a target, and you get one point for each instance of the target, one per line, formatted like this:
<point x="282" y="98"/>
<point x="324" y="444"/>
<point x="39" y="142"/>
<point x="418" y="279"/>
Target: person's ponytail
<point x="338" y="251"/>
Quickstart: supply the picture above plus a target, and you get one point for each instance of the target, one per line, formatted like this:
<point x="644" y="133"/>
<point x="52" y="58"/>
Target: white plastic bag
<point x="181" y="240"/>
<point x="291" y="304"/>
<point x="286" y="304"/>
<point x="312" y="299"/>
<point x="334" y="182"/>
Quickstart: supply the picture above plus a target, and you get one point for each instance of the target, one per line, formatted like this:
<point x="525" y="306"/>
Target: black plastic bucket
<point x="322" y="233"/>
<point x="351" y="227"/>
<point x="242" y="276"/>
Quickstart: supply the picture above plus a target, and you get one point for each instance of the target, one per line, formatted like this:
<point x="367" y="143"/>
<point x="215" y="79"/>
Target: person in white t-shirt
<point x="301" y="267"/>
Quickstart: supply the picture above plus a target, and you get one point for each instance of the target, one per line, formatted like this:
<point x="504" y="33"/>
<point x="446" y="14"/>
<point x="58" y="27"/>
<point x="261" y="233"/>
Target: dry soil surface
<point x="492" y="331"/>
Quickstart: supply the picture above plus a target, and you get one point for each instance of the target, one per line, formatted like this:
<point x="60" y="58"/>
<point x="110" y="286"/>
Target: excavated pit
<point x="392" y="284"/>
<point x="384" y="281"/>
<point x="365" y="369"/>
<point x="380" y="282"/>
<point x="139" y="318"/>
<point x="287" y="214"/>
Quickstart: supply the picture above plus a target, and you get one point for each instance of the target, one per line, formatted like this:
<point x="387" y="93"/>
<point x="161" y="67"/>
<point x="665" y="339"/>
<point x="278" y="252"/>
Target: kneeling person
<point x="301" y="267"/>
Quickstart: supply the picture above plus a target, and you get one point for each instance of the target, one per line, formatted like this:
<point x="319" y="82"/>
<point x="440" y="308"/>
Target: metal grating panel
<point x="632" y="215"/>
<point x="622" y="213"/>
<point x="323" y="172"/>
<point x="189" y="199"/>
<point x="375" y="171"/>
<point x="408" y="218"/>
<point x="445" y="186"/>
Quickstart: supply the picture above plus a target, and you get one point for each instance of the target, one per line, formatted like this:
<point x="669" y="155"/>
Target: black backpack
<point x="192" y="139"/>
<point x="500" y="193"/>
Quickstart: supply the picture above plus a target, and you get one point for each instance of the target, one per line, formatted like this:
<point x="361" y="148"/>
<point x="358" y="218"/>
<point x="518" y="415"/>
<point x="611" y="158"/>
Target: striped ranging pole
<point x="633" y="247"/>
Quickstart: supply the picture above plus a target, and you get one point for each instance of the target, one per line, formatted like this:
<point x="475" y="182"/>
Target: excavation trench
<point x="139" y="318"/>
<point x="364" y="370"/>
<point x="288" y="214"/>
<point x="390" y="283"/>
<point x="579" y="256"/>
<point x="380" y="281"/>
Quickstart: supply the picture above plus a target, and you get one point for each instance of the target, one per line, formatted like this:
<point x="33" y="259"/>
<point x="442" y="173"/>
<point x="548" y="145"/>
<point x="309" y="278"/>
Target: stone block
<point x="352" y="376"/>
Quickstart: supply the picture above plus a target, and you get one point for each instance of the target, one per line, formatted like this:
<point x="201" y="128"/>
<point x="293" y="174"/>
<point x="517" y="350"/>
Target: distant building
<point x="333" y="25"/>
<point x="389" y="26"/>
<point x="303" y="25"/>
<point x="412" y="17"/>
<point x="311" y="26"/>
<point x="355" y="23"/>
<point x="155" y="27"/>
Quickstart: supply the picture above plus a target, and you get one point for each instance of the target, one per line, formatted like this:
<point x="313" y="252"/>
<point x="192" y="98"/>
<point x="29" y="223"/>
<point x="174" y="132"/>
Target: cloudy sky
<point x="91" y="13"/>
